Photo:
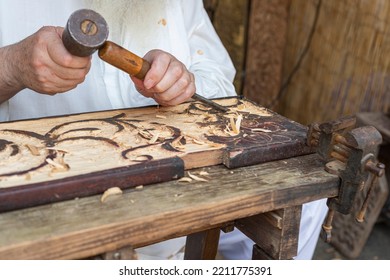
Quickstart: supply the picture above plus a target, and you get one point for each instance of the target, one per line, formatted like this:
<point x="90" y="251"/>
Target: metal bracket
<point x="349" y="152"/>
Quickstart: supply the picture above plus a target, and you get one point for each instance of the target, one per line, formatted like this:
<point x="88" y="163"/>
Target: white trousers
<point x="236" y="246"/>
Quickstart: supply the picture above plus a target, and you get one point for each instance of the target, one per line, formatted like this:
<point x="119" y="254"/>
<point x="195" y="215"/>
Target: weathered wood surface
<point x="85" y="227"/>
<point x="202" y="245"/>
<point x="345" y="69"/>
<point x="267" y="31"/>
<point x="230" y="19"/>
<point x="59" y="158"/>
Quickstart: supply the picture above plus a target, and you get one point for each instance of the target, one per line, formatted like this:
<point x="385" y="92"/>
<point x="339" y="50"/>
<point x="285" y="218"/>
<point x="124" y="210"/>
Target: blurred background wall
<point x="309" y="60"/>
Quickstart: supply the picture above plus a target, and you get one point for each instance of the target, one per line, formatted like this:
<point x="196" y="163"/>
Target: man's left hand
<point x="168" y="81"/>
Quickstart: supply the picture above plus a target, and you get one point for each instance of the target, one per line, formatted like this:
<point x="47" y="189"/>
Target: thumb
<point x="139" y="85"/>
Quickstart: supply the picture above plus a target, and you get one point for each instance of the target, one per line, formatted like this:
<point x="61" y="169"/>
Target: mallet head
<point x="85" y="32"/>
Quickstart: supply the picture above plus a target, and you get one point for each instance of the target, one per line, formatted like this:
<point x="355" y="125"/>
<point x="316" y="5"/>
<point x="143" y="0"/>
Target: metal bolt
<point x="378" y="169"/>
<point x="88" y="27"/>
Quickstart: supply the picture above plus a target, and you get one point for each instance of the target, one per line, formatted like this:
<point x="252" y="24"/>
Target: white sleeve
<point x="210" y="62"/>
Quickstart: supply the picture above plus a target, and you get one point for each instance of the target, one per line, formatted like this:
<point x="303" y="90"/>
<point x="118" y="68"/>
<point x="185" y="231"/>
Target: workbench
<point x="248" y="170"/>
<point x="85" y="227"/>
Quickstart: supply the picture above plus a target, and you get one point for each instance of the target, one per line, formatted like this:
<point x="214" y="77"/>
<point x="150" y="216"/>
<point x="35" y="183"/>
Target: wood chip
<point x="203" y="173"/>
<point x="145" y="134"/>
<point x="140" y="187"/>
<point x="235" y="124"/>
<point x="261" y="130"/>
<point x="110" y="192"/>
<point x="59" y="166"/>
<point x="33" y="150"/>
<point x="185" y="179"/>
<point x="154" y="138"/>
<point x="196" y="178"/>
<point x="238" y="123"/>
<point x="161" y="117"/>
<point x="177" y="143"/>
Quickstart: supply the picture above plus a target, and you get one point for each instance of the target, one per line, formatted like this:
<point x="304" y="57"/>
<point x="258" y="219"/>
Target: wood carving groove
<point x="70" y="152"/>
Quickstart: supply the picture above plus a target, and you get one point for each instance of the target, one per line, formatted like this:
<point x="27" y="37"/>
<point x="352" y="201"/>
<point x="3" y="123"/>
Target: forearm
<point x="9" y="84"/>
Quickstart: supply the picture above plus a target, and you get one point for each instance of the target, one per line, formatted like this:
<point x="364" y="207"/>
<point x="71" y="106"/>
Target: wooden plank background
<point x="309" y="60"/>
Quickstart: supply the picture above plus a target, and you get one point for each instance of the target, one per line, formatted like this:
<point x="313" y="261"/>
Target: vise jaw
<point x="351" y="153"/>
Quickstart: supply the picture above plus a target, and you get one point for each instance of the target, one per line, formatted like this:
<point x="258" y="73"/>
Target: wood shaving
<point x="33" y="150"/>
<point x="203" y="173"/>
<point x="59" y="166"/>
<point x="110" y="192"/>
<point x="235" y="124"/>
<point x="161" y="117"/>
<point x="261" y="130"/>
<point x="177" y="143"/>
<point x="141" y="158"/>
<point x="238" y="123"/>
<point x="154" y="138"/>
<point x="145" y="134"/>
<point x="185" y="179"/>
<point x="196" y="178"/>
<point x="196" y="141"/>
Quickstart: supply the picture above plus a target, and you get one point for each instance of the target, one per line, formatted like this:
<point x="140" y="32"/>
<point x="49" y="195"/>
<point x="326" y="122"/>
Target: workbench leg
<point x="275" y="233"/>
<point x="202" y="245"/>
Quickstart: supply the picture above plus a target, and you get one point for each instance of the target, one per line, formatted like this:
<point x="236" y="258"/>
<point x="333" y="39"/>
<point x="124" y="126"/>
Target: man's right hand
<point x="41" y="62"/>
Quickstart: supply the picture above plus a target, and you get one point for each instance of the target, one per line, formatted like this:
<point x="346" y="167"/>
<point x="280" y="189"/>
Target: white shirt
<point x="180" y="27"/>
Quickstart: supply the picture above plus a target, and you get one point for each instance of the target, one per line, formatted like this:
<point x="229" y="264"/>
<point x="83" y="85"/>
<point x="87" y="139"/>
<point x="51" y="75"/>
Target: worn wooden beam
<point x="86" y="227"/>
<point x="202" y="245"/>
<point x="265" y="49"/>
<point x="278" y="242"/>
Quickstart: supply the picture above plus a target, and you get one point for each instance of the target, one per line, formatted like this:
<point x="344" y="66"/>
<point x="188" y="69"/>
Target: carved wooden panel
<point x="60" y="158"/>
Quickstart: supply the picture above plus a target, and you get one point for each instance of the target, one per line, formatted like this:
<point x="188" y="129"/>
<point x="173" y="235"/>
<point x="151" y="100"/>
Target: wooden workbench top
<point x="85" y="227"/>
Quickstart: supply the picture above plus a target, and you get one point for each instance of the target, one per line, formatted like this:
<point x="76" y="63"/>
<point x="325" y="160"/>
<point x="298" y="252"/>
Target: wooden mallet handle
<point x="124" y="59"/>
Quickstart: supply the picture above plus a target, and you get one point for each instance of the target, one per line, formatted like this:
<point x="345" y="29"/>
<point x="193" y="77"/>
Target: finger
<point x="61" y="56"/>
<point x="184" y="86"/>
<point x="50" y="83"/>
<point x="178" y="99"/>
<point x="70" y="73"/>
<point x="175" y="76"/>
<point x="139" y="85"/>
<point x="159" y="63"/>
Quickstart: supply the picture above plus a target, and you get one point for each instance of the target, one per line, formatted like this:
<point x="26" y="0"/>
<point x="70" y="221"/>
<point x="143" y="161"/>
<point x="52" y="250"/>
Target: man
<point x="38" y="77"/>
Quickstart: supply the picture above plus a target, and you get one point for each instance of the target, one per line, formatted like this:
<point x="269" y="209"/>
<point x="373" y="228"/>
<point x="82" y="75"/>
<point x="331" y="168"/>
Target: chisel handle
<point x="124" y="59"/>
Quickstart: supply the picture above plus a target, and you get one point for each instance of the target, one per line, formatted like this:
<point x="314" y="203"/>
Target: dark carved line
<point x="125" y="152"/>
<point x="169" y="147"/>
<point x="15" y="150"/>
<point x="26" y="133"/>
<point x="111" y="120"/>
